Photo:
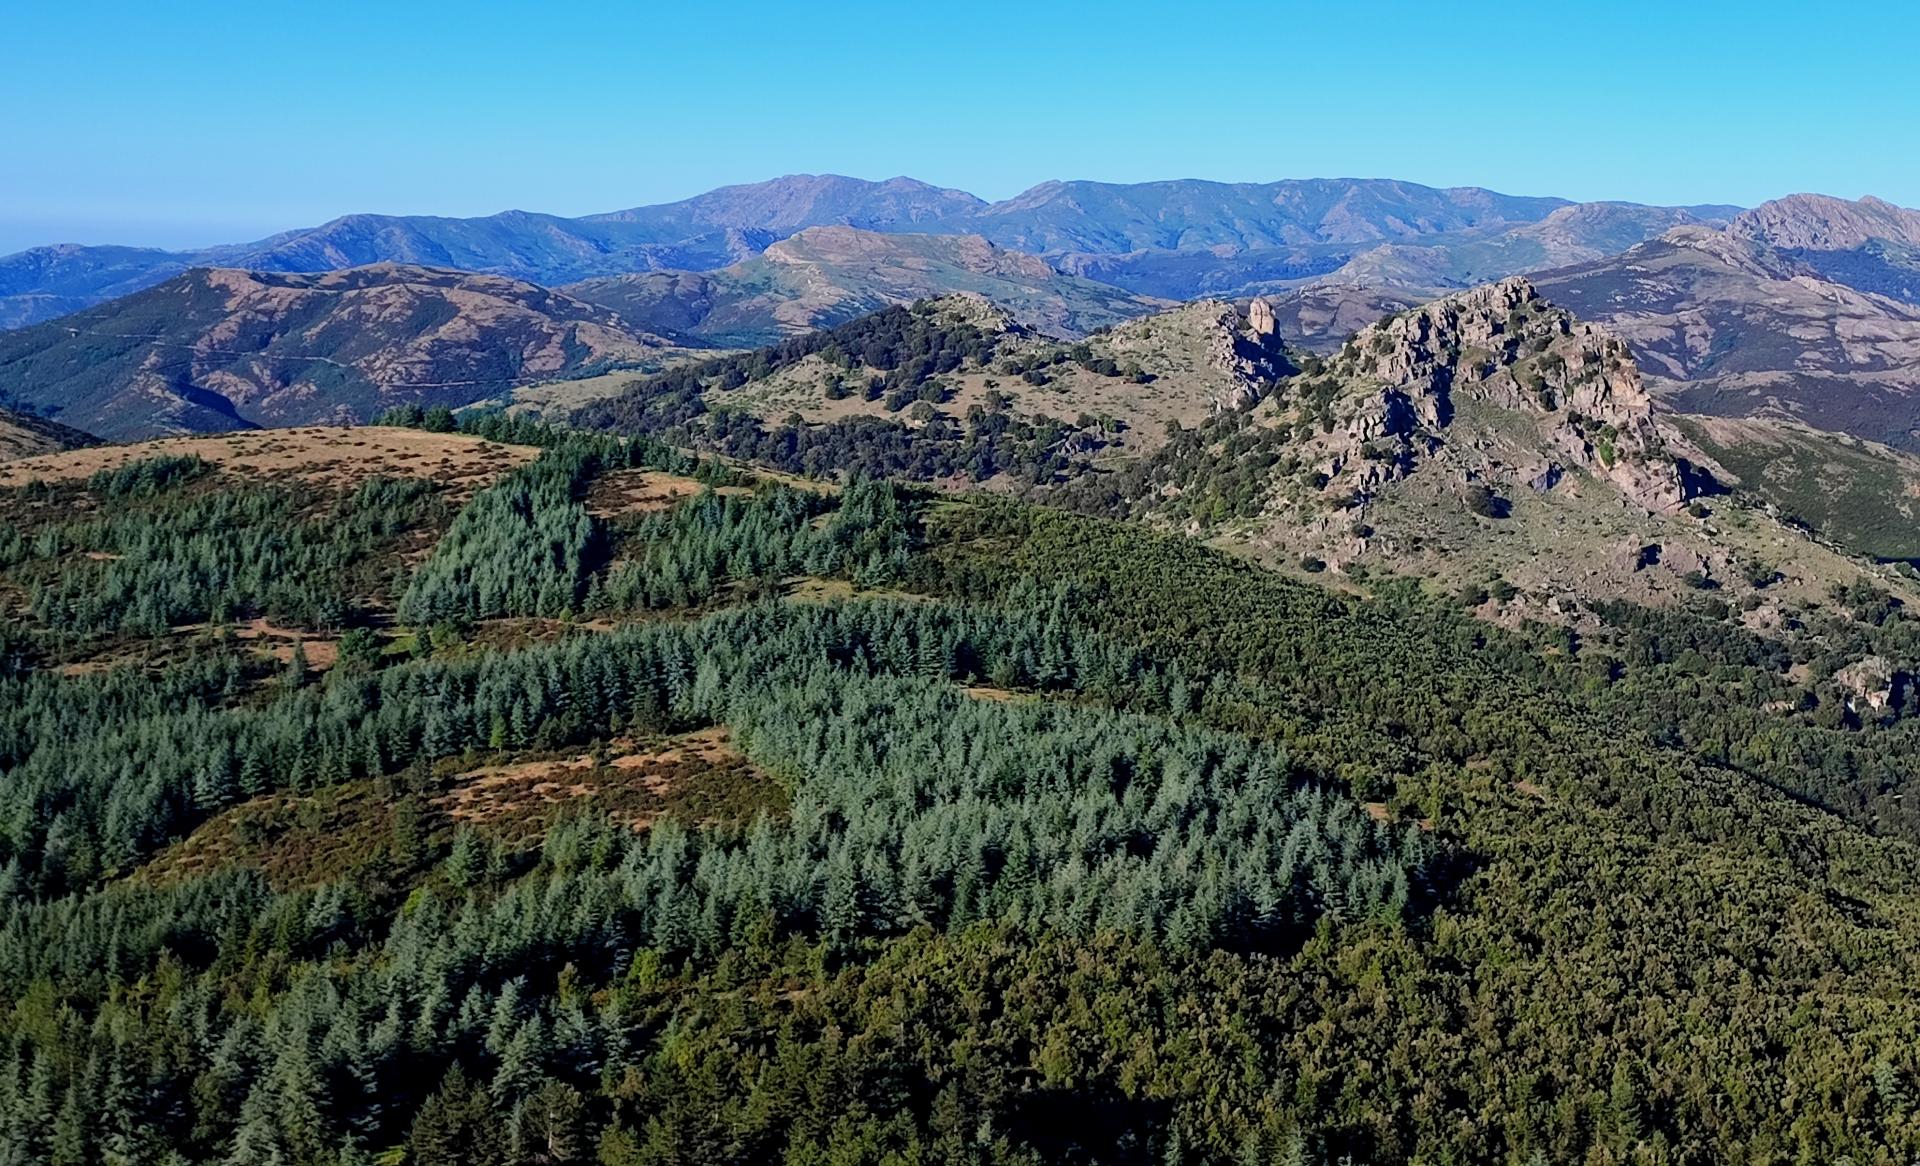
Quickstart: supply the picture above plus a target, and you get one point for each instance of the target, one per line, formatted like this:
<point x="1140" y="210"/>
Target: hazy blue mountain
<point x="1166" y="239"/>
<point x="1417" y="266"/>
<point x="709" y="231"/>
<point x="1106" y="218"/>
<point x="785" y="205"/>
<point x="44" y="282"/>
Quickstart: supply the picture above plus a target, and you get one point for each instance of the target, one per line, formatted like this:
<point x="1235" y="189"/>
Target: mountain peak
<point x="1820" y="222"/>
<point x="1500" y="345"/>
<point x="793" y="201"/>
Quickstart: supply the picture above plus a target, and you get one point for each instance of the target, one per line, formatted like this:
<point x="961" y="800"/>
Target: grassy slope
<point x="1856" y="493"/>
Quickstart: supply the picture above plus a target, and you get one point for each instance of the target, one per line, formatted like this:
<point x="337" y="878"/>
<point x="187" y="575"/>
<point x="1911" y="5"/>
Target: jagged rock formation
<point x="1260" y="319"/>
<point x="1251" y="354"/>
<point x="1501" y="345"/>
<point x="1205" y="354"/>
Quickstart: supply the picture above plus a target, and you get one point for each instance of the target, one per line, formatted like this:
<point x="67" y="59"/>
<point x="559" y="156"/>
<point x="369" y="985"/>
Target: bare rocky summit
<point x="1499" y="345"/>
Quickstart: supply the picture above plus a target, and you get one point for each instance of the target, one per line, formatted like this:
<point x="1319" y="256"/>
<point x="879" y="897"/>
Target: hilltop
<point x="823" y="276"/>
<point x="1493" y="436"/>
<point x="217" y="349"/>
<point x="25" y="435"/>
<point x="1490" y="436"/>
<point x="957" y="389"/>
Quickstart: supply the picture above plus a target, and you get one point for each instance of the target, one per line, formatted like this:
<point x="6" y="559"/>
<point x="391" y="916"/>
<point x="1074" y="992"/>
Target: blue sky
<point x="188" y="123"/>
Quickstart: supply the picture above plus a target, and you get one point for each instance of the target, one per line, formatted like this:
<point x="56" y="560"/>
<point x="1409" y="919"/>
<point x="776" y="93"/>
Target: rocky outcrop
<point x="1874" y="681"/>
<point x="1261" y="321"/>
<point x="1502" y="345"/>
<point x="1250" y="353"/>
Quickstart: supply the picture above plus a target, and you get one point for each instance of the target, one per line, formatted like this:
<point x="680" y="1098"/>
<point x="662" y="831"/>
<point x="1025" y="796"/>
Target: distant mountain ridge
<point x="1820" y="222"/>
<point x="1174" y="230"/>
<point x="1806" y="308"/>
<point x="1797" y="310"/>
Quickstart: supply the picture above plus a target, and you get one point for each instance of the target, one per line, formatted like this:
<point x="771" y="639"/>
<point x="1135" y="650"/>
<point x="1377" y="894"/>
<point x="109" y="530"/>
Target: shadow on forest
<point x="1088" y="1125"/>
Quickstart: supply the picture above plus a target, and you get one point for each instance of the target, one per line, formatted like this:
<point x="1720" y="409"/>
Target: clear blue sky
<point x="187" y="123"/>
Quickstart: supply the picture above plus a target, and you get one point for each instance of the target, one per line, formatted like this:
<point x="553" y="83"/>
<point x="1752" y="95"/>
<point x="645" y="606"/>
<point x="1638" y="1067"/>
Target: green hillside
<point x="826" y="276"/>
<point x="920" y="828"/>
<point x="1858" y="494"/>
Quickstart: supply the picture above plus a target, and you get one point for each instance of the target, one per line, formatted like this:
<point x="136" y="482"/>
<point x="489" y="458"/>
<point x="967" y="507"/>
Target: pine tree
<point x="456" y="1127"/>
<point x="296" y="673"/>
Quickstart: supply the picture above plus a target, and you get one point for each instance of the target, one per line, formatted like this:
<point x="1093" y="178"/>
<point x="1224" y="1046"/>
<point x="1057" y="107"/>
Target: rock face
<point x="1260" y="319"/>
<point x="1875" y="681"/>
<point x="1250" y="353"/>
<point x="1499" y="345"/>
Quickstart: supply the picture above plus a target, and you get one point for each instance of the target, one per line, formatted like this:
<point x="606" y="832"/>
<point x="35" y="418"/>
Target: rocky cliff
<point x="1391" y="396"/>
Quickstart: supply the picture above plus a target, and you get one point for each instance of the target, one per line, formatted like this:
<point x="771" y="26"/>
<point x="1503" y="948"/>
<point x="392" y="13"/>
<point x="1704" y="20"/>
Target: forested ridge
<point x="1050" y="839"/>
<point x="896" y="355"/>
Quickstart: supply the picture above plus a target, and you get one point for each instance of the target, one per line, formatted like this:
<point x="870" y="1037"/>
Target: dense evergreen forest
<point x="877" y="826"/>
<point x="899" y="353"/>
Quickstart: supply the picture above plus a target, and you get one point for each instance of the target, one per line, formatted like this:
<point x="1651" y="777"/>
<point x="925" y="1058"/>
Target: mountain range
<point x="1806" y="308"/>
<point x="1153" y="238"/>
<point x="1514" y="686"/>
<point x="821" y="276"/>
<point x="1796" y="310"/>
